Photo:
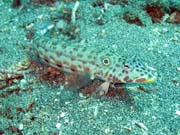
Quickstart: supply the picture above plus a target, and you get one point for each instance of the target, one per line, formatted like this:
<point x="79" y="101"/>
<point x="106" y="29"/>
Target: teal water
<point x="31" y="106"/>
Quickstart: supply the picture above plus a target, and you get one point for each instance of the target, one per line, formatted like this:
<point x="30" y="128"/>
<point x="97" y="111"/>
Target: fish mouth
<point x="150" y="80"/>
<point x="144" y="80"/>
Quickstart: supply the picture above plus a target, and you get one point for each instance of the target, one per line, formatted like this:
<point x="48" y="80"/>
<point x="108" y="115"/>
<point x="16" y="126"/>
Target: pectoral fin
<point x="78" y="81"/>
<point x="103" y="88"/>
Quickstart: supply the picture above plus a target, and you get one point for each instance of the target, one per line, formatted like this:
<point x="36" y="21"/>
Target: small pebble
<point x="50" y="26"/>
<point x="95" y="111"/>
<point x="58" y="93"/>
<point x="178" y="112"/>
<point x="105" y="110"/>
<point x="30" y="26"/>
<point x="67" y="103"/>
<point x="61" y="24"/>
<point x="81" y="95"/>
<point x="154" y="117"/>
<point x="40" y="16"/>
<point x="58" y="125"/>
<point x="141" y="125"/>
<point x="62" y="114"/>
<point x="20" y="126"/>
<point x="178" y="69"/>
<point x="61" y="87"/>
<point x="66" y="120"/>
<point x="107" y="130"/>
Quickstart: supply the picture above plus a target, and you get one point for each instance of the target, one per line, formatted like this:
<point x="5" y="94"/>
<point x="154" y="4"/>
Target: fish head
<point x="137" y="71"/>
<point x="122" y="70"/>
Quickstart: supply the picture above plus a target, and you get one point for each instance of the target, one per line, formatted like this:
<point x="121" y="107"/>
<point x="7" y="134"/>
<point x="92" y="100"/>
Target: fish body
<point x="100" y="64"/>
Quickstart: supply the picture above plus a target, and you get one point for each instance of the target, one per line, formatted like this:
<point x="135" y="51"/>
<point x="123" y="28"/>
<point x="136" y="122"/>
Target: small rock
<point x="61" y="87"/>
<point x="62" y="114"/>
<point x="58" y="125"/>
<point x="22" y="65"/>
<point x="174" y="17"/>
<point x="107" y="130"/>
<point x="141" y="125"/>
<point x="178" y="69"/>
<point x="178" y="112"/>
<point x="20" y="126"/>
<point x="58" y="93"/>
<point x="96" y="111"/>
<point x="61" y="24"/>
<point x="40" y="16"/>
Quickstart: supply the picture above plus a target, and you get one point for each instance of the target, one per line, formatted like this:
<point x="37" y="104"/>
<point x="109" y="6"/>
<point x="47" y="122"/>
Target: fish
<point x="100" y="64"/>
<point x="104" y="65"/>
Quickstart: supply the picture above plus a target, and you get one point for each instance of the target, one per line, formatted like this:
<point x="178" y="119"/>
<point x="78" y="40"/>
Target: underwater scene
<point x="90" y="67"/>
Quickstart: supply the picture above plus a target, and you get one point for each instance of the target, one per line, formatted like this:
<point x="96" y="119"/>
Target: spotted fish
<point x="100" y="64"/>
<point x="104" y="65"/>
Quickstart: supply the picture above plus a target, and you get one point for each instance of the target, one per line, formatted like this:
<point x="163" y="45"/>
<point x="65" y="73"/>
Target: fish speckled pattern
<point x="101" y="64"/>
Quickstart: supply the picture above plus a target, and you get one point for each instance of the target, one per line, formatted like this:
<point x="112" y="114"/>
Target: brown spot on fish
<point x="89" y="56"/>
<point x="73" y="68"/>
<point x="126" y="79"/>
<point x="118" y="65"/>
<point x="116" y="80"/>
<point x="140" y="80"/>
<point x="106" y="74"/>
<point x="109" y="79"/>
<point x="65" y="63"/>
<point x="73" y="58"/>
<point x="110" y="75"/>
<point x="59" y="54"/>
<point x="84" y="62"/>
<point x="86" y="69"/>
<point x="130" y="80"/>
<point x="114" y="70"/>
<point x="119" y="60"/>
<point x="93" y="62"/>
<point x="97" y="74"/>
<point x="79" y="55"/>
<point x="46" y="59"/>
<point x="125" y="70"/>
<point x="79" y="66"/>
<point x="119" y="74"/>
<point x="59" y="64"/>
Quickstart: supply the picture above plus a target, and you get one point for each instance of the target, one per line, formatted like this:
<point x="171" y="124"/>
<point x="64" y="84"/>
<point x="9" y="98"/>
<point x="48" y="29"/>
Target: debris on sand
<point x="178" y="112"/>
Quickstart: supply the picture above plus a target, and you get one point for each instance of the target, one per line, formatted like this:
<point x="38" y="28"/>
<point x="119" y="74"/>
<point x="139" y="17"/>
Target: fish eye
<point x="125" y="65"/>
<point x="106" y="61"/>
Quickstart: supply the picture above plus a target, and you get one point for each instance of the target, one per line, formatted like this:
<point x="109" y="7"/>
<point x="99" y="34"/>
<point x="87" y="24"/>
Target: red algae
<point x="1" y="132"/>
<point x="156" y="13"/>
<point x="132" y="19"/>
<point x="16" y="3"/>
<point x="46" y="73"/>
<point x="46" y="2"/>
